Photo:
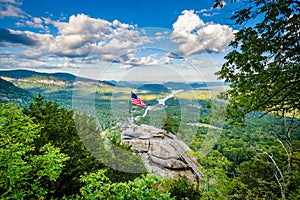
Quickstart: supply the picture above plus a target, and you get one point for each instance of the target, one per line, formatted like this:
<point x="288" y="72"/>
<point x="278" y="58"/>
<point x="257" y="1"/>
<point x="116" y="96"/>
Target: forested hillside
<point x="43" y="157"/>
<point x="32" y="75"/>
<point x="10" y="93"/>
<point x="250" y="161"/>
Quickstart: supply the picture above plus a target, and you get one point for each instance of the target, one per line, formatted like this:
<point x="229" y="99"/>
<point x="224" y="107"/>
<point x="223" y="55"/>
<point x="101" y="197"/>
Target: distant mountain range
<point x="27" y="74"/>
<point x="163" y="87"/>
<point x="32" y="75"/>
<point x="15" y="83"/>
<point x="22" y="85"/>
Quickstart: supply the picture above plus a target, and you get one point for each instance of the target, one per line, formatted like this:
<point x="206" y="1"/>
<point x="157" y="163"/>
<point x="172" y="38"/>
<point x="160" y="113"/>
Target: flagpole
<point x="131" y="114"/>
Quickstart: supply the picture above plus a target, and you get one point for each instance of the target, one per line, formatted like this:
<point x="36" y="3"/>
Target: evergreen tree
<point x="25" y="170"/>
<point x="59" y="129"/>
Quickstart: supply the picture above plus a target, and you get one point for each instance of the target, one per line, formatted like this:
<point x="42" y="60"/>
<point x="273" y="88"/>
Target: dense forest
<point x="256" y="154"/>
<point x="43" y="156"/>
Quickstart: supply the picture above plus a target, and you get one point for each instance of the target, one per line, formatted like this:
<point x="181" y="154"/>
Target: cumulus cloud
<point x="36" y="22"/>
<point x="33" y="22"/>
<point x="83" y="35"/>
<point x="80" y="37"/>
<point x="18" y="61"/>
<point x="9" y="8"/>
<point x="10" y="36"/>
<point x="130" y="60"/>
<point x="193" y="36"/>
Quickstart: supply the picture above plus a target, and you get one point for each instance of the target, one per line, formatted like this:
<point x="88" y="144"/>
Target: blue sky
<point x="118" y="39"/>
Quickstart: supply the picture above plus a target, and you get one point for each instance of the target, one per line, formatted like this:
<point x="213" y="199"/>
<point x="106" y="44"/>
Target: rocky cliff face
<point x="162" y="153"/>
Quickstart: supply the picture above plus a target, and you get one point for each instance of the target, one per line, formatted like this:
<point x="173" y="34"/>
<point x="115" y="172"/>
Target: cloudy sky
<point x="119" y="39"/>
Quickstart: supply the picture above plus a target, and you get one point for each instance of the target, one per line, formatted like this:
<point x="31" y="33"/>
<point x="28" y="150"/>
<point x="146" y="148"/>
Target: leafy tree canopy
<point x="25" y="171"/>
<point x="69" y="132"/>
<point x="263" y="67"/>
<point x="98" y="186"/>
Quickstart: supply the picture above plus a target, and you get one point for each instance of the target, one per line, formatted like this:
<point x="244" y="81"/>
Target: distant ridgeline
<point x="54" y="86"/>
<point x="10" y="93"/>
<point x="27" y="74"/>
<point x="60" y="87"/>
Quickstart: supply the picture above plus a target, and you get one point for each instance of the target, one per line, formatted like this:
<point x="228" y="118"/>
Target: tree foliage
<point x="25" y="171"/>
<point x="254" y="161"/>
<point x="98" y="186"/>
<point x="181" y="188"/>
<point x="71" y="132"/>
<point x="263" y="67"/>
<point x="260" y="160"/>
<point x="58" y="128"/>
<point x="171" y="124"/>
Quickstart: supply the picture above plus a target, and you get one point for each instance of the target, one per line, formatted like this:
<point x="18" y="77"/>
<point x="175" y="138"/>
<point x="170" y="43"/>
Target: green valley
<point x="259" y="158"/>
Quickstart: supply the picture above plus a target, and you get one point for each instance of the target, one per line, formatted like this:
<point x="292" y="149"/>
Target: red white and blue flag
<point x="135" y="100"/>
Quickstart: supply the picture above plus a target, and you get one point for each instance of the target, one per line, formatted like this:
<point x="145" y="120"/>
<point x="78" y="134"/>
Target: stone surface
<point x="139" y="146"/>
<point x="162" y="153"/>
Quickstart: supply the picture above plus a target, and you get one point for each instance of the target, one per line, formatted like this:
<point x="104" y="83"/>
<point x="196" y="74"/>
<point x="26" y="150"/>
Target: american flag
<point x="135" y="100"/>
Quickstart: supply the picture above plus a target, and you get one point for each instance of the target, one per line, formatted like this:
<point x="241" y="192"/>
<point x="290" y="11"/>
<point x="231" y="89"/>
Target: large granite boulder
<point x="162" y="153"/>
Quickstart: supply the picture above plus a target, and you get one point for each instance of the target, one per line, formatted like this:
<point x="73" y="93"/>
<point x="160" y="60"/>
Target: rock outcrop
<point x="162" y="153"/>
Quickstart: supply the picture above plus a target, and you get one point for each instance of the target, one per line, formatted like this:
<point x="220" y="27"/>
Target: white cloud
<point x="7" y="10"/>
<point x="130" y="60"/>
<point x="193" y="36"/>
<point x="83" y="35"/>
<point x="11" y="2"/>
<point x="210" y="14"/>
<point x="47" y="20"/>
<point x="203" y="11"/>
<point x="82" y="23"/>
<point x="35" y="23"/>
<point x="159" y="36"/>
<point x="43" y="41"/>
<point x="19" y="61"/>
<point x="26" y="56"/>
